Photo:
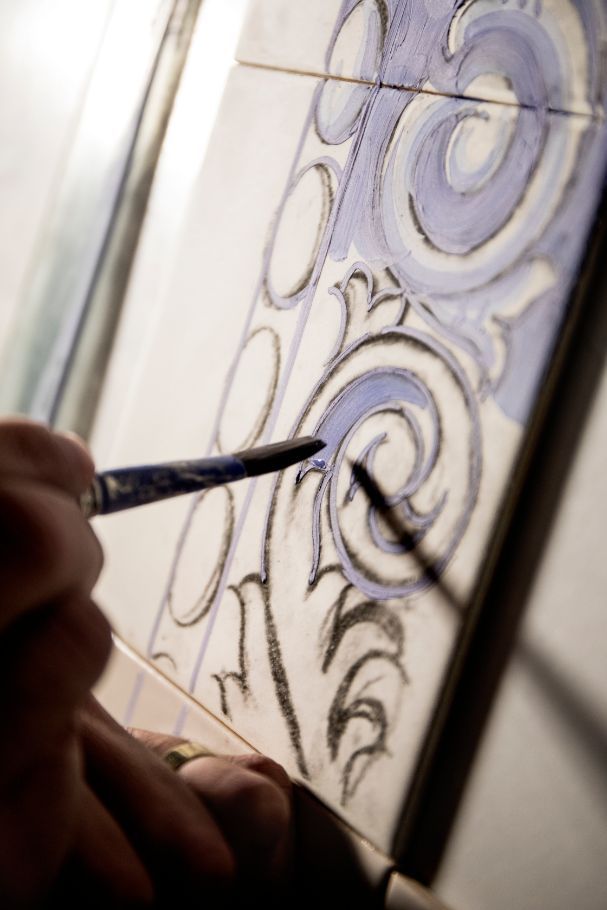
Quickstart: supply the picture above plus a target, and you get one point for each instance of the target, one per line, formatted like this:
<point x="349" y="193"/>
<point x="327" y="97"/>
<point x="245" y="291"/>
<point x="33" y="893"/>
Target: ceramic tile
<point x="389" y="270"/>
<point x="137" y="695"/>
<point x="273" y="112"/>
<point x="345" y="40"/>
<point x="119" y="679"/>
<point x="539" y="53"/>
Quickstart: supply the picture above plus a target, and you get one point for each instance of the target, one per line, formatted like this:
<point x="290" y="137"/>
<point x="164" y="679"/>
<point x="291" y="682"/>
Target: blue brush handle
<point x="126" y="488"/>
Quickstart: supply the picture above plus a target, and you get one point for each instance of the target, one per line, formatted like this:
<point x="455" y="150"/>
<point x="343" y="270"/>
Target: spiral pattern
<point x="538" y="53"/>
<point x="392" y="422"/>
<point x="463" y="195"/>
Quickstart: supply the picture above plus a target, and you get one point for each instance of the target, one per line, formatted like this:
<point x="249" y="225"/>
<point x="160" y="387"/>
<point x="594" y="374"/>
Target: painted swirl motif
<point x="537" y="53"/>
<point x="355" y="52"/>
<point x="466" y="204"/>
<point x="466" y="201"/>
<point x="336" y="566"/>
<point x="543" y="54"/>
<point x="460" y="210"/>
<point x="374" y="408"/>
<point x="462" y="195"/>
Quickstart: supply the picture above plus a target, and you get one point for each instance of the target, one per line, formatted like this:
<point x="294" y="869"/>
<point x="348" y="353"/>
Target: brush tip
<point x="279" y="455"/>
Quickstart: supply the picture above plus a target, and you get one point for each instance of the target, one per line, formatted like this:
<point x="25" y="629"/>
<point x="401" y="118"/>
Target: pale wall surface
<point x="46" y="54"/>
<point x="532" y="831"/>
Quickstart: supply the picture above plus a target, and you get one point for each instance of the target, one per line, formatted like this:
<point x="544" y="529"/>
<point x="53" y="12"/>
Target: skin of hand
<point x="251" y="799"/>
<point x="54" y="643"/>
<point x="217" y="828"/>
<point x="88" y="811"/>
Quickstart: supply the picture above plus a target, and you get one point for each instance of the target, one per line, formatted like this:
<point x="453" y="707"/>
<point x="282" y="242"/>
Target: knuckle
<point x="187" y="839"/>
<point x="73" y="461"/>
<point x="50" y="545"/>
<point x="261" y="764"/>
<point x="26" y="441"/>
<point x="46" y="545"/>
<point x="68" y="645"/>
<point x="88" y="638"/>
<point x="28" y="530"/>
<point x="261" y="801"/>
<point x="33" y="450"/>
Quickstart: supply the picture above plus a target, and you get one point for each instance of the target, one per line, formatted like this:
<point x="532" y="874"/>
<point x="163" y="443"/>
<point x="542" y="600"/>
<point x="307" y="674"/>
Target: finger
<point x="103" y="869"/>
<point x="38" y="807"/>
<point x="176" y="837"/>
<point x="162" y="743"/>
<point x="46" y="548"/>
<point x="261" y="764"/>
<point x="49" y="661"/>
<point x="250" y="796"/>
<point x="31" y="450"/>
<point x="254" y="813"/>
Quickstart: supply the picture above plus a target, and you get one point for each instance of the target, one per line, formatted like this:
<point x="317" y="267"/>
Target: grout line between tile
<point x="598" y="118"/>
<point x="315" y="74"/>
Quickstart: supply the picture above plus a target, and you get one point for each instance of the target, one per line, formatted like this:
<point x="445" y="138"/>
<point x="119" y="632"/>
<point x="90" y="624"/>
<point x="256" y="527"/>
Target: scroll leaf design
<point x="369" y="704"/>
<point x="468" y="208"/>
<point x="435" y="498"/>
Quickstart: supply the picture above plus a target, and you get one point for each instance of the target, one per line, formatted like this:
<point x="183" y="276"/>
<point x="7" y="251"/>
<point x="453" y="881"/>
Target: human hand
<point x="251" y="799"/>
<point x="77" y="792"/>
<point x="218" y="828"/>
<point x="54" y="643"/>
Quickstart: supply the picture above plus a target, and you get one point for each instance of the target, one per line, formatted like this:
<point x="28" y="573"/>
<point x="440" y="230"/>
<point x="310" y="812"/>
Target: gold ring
<point x="185" y="752"/>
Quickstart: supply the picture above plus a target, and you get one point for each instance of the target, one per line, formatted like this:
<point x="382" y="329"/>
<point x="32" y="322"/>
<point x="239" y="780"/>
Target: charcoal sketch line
<point x="399" y="391"/>
<point x="189" y="615"/>
<point x="272" y="353"/>
<point x="363" y="706"/>
<point x="458" y="221"/>
<point x="240" y="676"/>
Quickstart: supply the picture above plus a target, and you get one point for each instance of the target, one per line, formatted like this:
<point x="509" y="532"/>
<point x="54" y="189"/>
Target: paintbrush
<point x="127" y="488"/>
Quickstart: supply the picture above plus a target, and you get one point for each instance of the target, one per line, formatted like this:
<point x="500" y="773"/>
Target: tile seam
<point x="314" y="74"/>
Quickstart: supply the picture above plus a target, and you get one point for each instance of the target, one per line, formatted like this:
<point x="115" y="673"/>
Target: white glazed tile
<point x="120" y="679"/>
<point x="389" y="270"/>
<point x="538" y="53"/>
<point x="256" y="105"/>
<point x="137" y="695"/>
<point x="324" y="573"/>
<point x="292" y="36"/>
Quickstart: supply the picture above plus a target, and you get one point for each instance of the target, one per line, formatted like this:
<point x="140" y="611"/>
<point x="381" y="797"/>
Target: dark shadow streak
<point x="562" y="695"/>
<point x="414" y="548"/>
<point x="493" y="640"/>
<point x="549" y="455"/>
<point x="567" y="702"/>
